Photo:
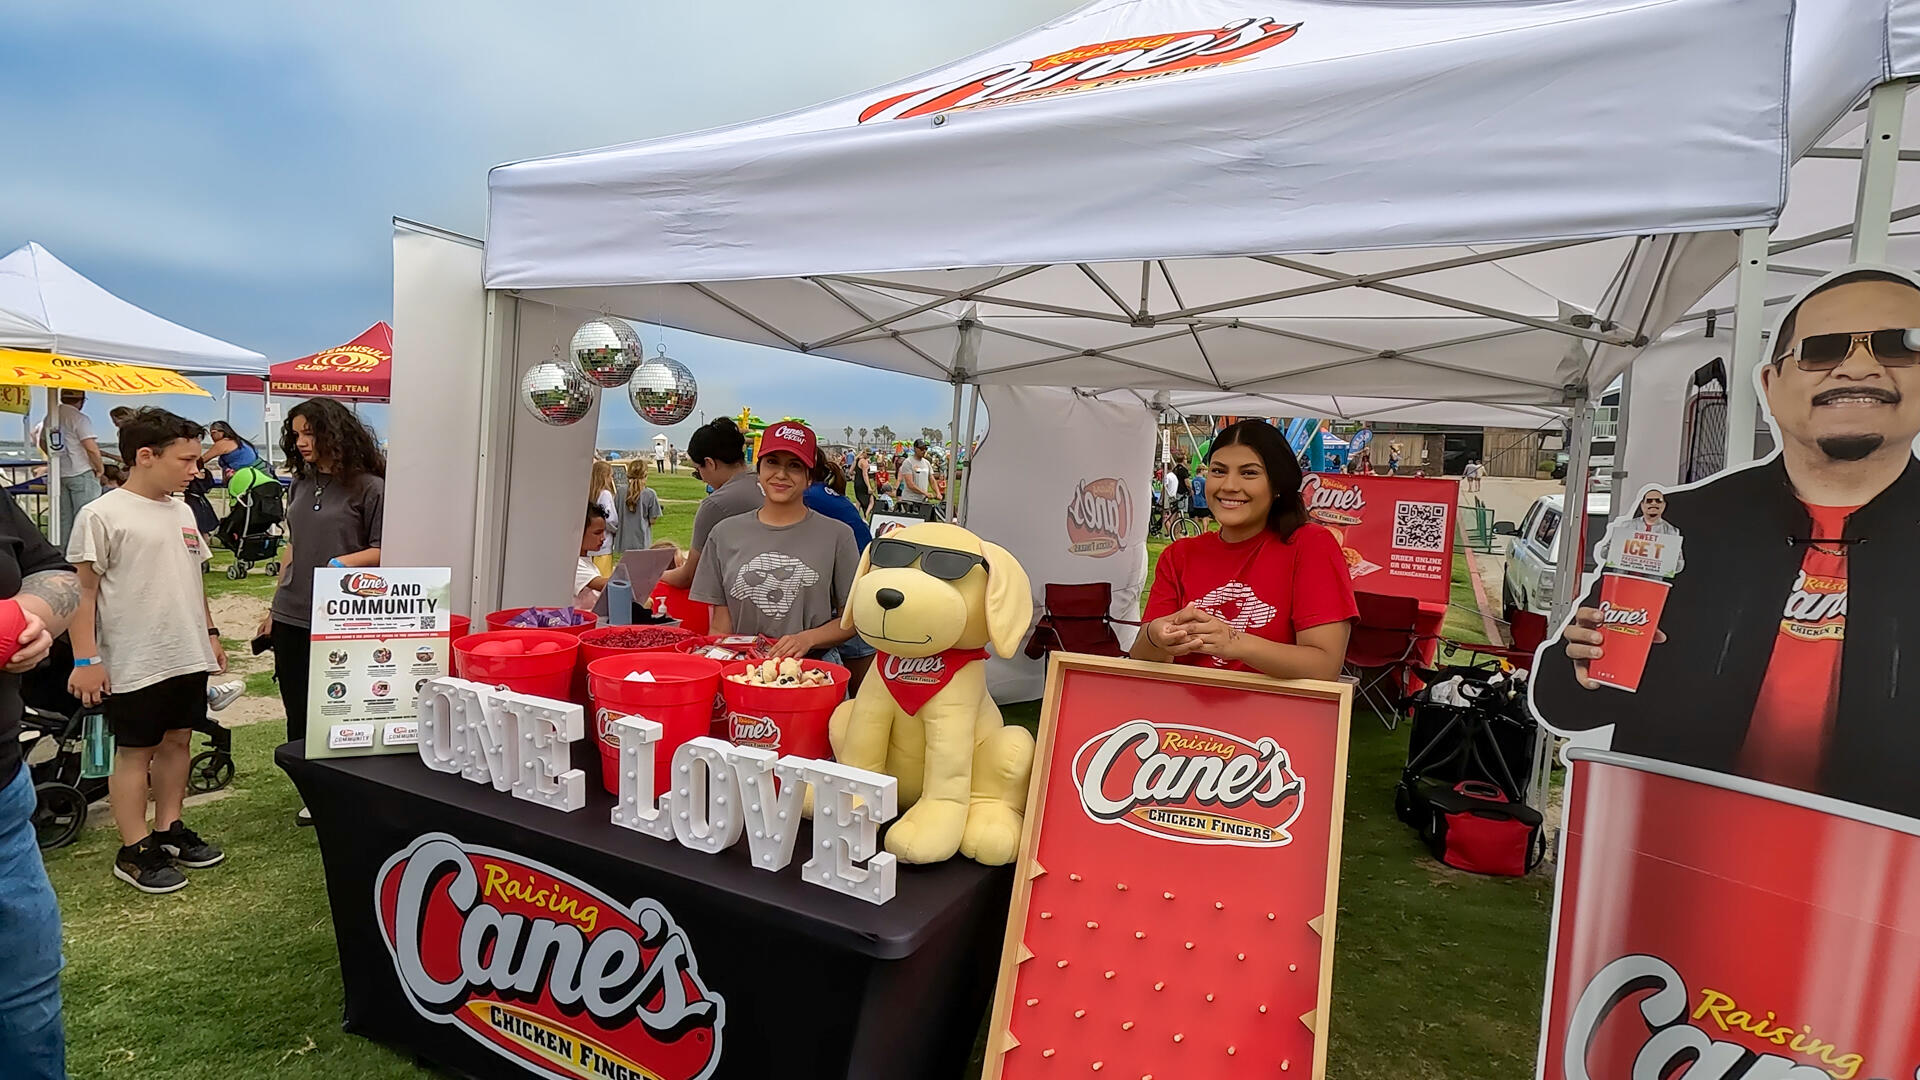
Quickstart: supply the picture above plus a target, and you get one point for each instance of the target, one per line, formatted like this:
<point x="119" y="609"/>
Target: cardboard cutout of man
<point x="1789" y="648"/>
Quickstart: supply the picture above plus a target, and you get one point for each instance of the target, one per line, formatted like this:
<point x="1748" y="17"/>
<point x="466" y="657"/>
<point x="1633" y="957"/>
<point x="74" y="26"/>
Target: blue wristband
<point x="78" y="662"/>
<point x="336" y="562"/>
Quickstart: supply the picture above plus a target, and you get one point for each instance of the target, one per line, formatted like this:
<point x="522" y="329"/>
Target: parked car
<point x="1532" y="555"/>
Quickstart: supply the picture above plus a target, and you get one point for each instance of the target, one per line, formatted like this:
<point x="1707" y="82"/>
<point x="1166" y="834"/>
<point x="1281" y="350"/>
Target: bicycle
<point x="1178" y="526"/>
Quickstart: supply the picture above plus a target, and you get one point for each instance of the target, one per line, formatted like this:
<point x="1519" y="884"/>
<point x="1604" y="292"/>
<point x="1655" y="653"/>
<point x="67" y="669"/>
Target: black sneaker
<point x="187" y="848"/>
<point x="145" y="867"/>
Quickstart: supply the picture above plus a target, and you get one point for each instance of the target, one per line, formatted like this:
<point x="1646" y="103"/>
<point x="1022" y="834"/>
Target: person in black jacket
<point x="1769" y="662"/>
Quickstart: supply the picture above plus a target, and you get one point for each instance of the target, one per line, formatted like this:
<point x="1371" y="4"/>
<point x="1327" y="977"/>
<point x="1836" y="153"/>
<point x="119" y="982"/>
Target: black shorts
<point x="141" y="717"/>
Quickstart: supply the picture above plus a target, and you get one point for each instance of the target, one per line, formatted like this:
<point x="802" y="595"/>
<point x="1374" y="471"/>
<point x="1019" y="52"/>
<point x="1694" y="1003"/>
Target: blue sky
<point x="234" y="166"/>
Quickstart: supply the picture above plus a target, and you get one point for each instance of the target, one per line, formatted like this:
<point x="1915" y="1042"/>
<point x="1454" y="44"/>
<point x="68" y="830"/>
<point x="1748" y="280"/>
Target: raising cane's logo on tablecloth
<point x="364" y="585"/>
<point x="1089" y="67"/>
<point x="1099" y="517"/>
<point x="543" y="969"/>
<point x="1190" y="784"/>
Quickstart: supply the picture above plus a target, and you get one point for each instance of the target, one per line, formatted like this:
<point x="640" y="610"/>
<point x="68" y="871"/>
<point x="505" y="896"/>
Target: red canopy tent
<point x="360" y="370"/>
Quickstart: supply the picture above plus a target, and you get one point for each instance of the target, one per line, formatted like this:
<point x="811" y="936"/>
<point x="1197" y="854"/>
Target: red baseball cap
<point x="793" y="437"/>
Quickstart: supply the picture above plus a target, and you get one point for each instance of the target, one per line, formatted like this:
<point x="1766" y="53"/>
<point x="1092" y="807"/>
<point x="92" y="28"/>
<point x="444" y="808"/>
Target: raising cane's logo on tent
<point x="344" y="358"/>
<point x="1099" y="517"/>
<point x="1088" y="67"/>
<point x="545" y="970"/>
<point x="364" y="585"/>
<point x="1190" y="784"/>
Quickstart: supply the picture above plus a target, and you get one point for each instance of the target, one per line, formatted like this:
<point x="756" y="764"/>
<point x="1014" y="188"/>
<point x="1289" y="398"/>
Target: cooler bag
<point x="1475" y="827"/>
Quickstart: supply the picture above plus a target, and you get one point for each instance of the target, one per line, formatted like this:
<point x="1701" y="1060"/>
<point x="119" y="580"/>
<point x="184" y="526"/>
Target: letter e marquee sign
<point x="1173" y="910"/>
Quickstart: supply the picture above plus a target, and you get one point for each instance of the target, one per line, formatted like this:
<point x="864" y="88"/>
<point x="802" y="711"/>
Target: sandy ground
<point x="238" y="617"/>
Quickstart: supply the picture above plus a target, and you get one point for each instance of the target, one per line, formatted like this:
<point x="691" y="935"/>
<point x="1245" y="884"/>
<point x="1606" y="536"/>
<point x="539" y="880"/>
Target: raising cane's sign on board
<point x="1173" y="913"/>
<point x="1395" y="531"/>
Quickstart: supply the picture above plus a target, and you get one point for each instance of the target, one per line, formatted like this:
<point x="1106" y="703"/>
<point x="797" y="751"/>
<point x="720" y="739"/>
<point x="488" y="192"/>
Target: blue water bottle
<point x="96" y="754"/>
<point x="619" y="603"/>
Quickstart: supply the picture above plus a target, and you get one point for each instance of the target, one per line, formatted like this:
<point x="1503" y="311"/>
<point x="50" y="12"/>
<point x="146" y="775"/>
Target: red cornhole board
<point x="1173" y="912"/>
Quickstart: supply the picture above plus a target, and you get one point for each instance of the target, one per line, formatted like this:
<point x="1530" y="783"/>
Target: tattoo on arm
<point x="59" y="588"/>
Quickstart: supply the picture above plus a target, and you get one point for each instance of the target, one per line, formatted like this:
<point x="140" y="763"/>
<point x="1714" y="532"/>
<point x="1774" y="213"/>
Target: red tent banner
<point x="361" y="370"/>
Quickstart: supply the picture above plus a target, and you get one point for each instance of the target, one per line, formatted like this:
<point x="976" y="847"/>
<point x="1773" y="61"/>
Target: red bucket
<point x="536" y="662"/>
<point x="784" y="719"/>
<point x="680" y="700"/>
<point x="498" y="621"/>
<point x="594" y="646"/>
<point x="680" y="605"/>
<point x="459" y="626"/>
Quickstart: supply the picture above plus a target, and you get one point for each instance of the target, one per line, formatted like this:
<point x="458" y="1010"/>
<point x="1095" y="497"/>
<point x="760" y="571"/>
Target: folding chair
<point x="1383" y="642"/>
<point x="1075" y="618"/>
<point x="1526" y="629"/>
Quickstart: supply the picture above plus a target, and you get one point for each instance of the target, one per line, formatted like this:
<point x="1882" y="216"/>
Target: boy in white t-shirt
<point x="144" y="641"/>
<point x="588" y="581"/>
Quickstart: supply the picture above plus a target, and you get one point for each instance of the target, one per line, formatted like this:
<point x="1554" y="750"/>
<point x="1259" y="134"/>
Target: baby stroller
<point x="53" y="743"/>
<point x="252" y="528"/>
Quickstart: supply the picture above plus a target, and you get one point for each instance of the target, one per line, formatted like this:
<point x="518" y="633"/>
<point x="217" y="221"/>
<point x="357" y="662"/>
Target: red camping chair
<point x="1526" y="629"/>
<point x="1384" y="642"/>
<point x="1075" y="618"/>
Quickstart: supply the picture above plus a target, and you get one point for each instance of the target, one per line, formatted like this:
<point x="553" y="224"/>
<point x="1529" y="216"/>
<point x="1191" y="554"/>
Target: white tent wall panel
<point x="548" y="470"/>
<point x="435" y="419"/>
<point x="1657" y="409"/>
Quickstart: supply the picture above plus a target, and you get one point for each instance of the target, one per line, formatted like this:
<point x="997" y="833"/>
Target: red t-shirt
<point x="1800" y="694"/>
<point x="1265" y="586"/>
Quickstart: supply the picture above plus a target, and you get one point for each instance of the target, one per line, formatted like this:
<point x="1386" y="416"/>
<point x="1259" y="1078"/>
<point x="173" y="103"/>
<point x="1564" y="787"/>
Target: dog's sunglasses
<point x="943" y="563"/>
<point x="1892" y="348"/>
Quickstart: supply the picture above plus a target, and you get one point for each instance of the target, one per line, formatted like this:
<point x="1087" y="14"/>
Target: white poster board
<point x="378" y="635"/>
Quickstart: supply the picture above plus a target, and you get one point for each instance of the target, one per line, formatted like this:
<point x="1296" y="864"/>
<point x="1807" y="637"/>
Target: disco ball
<point x="606" y="350"/>
<point x="663" y="391"/>
<point x="556" y="394"/>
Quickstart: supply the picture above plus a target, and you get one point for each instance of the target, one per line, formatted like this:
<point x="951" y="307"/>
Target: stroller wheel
<point x="273" y="568"/>
<point x="236" y="571"/>
<point x="59" y="813"/>
<point x="210" y="770"/>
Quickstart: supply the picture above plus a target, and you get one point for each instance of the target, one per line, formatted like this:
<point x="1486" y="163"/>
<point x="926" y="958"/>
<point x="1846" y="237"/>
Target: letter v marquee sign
<point x="1173" y="910"/>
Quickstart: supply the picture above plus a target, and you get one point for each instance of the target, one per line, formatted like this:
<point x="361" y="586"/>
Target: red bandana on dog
<point x="913" y="680"/>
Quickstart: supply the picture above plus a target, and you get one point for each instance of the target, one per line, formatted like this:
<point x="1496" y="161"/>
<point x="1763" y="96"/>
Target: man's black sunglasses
<point x="943" y="563"/>
<point x="1892" y="348"/>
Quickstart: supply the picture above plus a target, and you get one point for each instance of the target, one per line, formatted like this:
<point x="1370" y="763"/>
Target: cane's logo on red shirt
<point x="1816" y="608"/>
<point x="1086" y="67"/>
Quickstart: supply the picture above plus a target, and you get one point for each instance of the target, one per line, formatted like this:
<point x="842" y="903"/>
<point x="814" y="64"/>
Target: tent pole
<point x="1622" y="486"/>
<point x="51" y="429"/>
<point x="1879" y="166"/>
<point x="1570" y="559"/>
<point x="266" y="420"/>
<point x="1749" y="307"/>
<point x="973" y="418"/>
<point x="953" y="451"/>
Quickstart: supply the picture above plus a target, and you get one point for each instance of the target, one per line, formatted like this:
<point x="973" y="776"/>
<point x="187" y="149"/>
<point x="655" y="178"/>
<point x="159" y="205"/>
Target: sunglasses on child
<point x="1892" y="348"/>
<point x="943" y="563"/>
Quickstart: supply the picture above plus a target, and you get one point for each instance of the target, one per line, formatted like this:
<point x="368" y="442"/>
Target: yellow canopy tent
<point x="26" y="367"/>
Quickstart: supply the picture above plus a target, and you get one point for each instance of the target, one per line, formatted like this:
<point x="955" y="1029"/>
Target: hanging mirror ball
<point x="556" y="394"/>
<point x="606" y="350"/>
<point x="663" y="391"/>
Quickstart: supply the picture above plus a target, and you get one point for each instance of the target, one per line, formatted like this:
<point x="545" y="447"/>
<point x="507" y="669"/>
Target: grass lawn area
<point x="1438" y="974"/>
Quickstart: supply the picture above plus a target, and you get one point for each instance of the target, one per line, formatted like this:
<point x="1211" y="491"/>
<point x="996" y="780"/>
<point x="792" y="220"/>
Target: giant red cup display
<point x="1630" y="609"/>
<point x="678" y="693"/>
<point x="1753" y="931"/>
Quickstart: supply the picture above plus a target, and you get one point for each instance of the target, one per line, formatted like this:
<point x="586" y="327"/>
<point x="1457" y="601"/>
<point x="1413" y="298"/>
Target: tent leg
<point x="1622" y="486"/>
<point x="1749" y="315"/>
<point x="1879" y="165"/>
<point x="1569" y="558"/>
<point x="54" y="532"/>
<point x="973" y="418"/>
<point x="953" y="452"/>
<point x="266" y="420"/>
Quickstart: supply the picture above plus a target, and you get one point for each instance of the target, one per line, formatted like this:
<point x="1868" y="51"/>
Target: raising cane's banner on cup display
<point x="1395" y="531"/>
<point x="543" y="969"/>
<point x="1173" y="914"/>
<point x="1733" y="929"/>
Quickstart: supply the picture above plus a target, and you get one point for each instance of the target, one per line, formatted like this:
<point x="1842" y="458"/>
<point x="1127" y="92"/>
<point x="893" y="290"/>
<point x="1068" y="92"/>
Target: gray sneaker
<point x="221" y="695"/>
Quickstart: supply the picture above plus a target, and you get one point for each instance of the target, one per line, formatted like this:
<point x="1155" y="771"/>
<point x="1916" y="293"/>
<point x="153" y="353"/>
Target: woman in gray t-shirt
<point x="333" y="519"/>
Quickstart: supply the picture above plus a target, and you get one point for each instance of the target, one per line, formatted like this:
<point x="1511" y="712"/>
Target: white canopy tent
<point x="1494" y="202"/>
<point x="48" y="306"/>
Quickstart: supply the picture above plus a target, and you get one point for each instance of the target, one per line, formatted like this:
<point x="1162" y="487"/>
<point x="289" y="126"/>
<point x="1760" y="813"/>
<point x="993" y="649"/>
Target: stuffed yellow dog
<point x="930" y="598"/>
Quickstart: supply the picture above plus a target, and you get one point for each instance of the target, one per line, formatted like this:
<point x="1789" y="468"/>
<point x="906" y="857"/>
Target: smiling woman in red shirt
<point x="1270" y="591"/>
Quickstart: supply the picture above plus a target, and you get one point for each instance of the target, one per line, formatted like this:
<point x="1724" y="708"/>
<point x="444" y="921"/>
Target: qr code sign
<point x="1420" y="526"/>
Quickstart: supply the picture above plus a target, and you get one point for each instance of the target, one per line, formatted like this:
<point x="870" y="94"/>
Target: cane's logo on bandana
<point x="1090" y="67"/>
<point x="1816" y="608"/>
<point x="914" y="680"/>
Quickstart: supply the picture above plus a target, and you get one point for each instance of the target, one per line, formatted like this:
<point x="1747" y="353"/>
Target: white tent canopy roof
<point x="46" y="304"/>
<point x="1473" y="201"/>
<point x="1351" y="408"/>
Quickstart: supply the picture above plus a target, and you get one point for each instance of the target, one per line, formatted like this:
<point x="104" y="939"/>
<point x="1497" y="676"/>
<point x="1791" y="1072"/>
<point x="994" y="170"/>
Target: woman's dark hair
<point x="220" y="429"/>
<point x="594" y="511"/>
<point x="155" y="429"/>
<point x="829" y="472"/>
<point x="338" y="437"/>
<point x="720" y="440"/>
<point x="1289" y="510"/>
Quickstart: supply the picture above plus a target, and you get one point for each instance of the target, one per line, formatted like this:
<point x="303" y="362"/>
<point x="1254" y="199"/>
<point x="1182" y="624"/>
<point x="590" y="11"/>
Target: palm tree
<point x="883" y="433"/>
<point x="849" y="431"/>
<point x="863" y="436"/>
<point x="932" y="435"/>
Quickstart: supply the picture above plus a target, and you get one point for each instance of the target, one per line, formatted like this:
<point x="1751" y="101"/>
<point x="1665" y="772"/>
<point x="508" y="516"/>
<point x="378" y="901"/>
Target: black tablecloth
<point x="815" y="984"/>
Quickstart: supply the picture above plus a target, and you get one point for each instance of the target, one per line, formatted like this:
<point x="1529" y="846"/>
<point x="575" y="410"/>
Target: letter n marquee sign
<point x="1173" y="911"/>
